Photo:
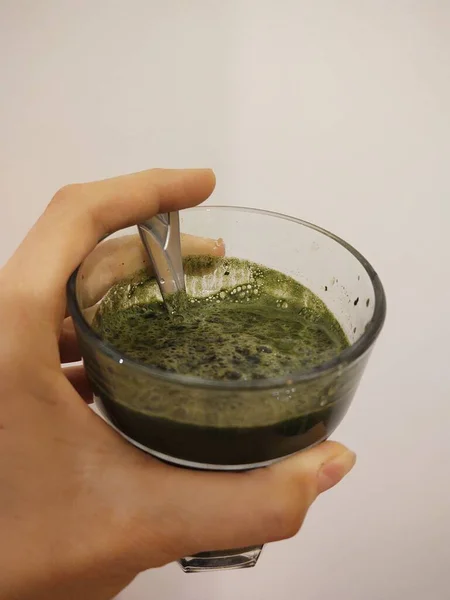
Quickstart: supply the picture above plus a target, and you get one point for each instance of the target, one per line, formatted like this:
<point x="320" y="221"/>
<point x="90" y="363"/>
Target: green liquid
<point x="260" y="323"/>
<point x="238" y="322"/>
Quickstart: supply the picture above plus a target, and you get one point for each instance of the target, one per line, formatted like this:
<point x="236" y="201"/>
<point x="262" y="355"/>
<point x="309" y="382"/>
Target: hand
<point x="81" y="510"/>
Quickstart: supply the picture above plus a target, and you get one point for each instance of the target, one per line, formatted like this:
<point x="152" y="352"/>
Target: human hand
<point x="82" y="512"/>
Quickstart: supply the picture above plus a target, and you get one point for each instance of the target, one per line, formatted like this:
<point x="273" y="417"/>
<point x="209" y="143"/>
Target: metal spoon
<point x="161" y="238"/>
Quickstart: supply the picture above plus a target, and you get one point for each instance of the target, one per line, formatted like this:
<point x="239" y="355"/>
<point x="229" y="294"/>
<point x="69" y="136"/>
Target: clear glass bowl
<point x="231" y="425"/>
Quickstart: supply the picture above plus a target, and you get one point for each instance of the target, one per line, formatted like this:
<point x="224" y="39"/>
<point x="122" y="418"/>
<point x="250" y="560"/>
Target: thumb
<point x="219" y="511"/>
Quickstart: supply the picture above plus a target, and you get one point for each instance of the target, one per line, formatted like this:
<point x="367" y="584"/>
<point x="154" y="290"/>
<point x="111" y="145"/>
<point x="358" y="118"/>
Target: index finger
<point x="81" y="214"/>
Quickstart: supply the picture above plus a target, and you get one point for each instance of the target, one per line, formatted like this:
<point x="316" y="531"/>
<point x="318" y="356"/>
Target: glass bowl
<point x="232" y="425"/>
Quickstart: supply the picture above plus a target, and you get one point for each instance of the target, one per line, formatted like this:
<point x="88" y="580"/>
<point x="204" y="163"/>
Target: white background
<point x="334" y="111"/>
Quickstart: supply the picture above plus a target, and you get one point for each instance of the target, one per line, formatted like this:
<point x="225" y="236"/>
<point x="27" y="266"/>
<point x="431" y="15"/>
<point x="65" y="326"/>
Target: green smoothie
<point x="260" y="324"/>
<point x="238" y="323"/>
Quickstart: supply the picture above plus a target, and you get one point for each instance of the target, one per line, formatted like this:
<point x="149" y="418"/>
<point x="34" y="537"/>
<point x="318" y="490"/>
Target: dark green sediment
<point x="260" y="324"/>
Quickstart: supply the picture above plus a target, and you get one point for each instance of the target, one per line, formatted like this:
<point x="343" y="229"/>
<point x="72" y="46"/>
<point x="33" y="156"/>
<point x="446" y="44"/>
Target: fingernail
<point x="219" y="247"/>
<point x="334" y="470"/>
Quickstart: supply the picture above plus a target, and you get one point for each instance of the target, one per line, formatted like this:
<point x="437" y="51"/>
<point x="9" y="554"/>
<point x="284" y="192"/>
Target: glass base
<point x="240" y="558"/>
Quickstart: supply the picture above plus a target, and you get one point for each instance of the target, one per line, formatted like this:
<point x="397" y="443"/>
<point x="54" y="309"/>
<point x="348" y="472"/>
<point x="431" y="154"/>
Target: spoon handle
<point x="161" y="238"/>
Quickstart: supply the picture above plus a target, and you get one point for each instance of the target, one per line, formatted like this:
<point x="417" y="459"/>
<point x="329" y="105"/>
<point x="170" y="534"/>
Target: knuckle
<point x="287" y="509"/>
<point x="65" y="194"/>
<point x="284" y="520"/>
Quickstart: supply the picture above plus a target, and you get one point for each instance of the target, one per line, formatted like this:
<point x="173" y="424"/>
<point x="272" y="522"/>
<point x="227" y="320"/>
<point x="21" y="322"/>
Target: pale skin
<point x="82" y="512"/>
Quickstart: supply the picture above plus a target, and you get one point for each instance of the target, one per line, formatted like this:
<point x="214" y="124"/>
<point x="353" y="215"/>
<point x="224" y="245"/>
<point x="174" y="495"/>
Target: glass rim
<point x="348" y="356"/>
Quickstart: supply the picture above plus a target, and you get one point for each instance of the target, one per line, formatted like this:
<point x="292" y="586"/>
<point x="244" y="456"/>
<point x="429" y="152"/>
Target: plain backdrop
<point x="334" y="111"/>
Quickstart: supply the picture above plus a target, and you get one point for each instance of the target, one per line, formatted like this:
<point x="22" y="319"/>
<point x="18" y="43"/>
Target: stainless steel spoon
<point x="161" y="238"/>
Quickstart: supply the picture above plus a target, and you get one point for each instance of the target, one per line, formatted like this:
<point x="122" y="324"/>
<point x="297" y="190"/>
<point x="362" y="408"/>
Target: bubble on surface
<point x="274" y="319"/>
